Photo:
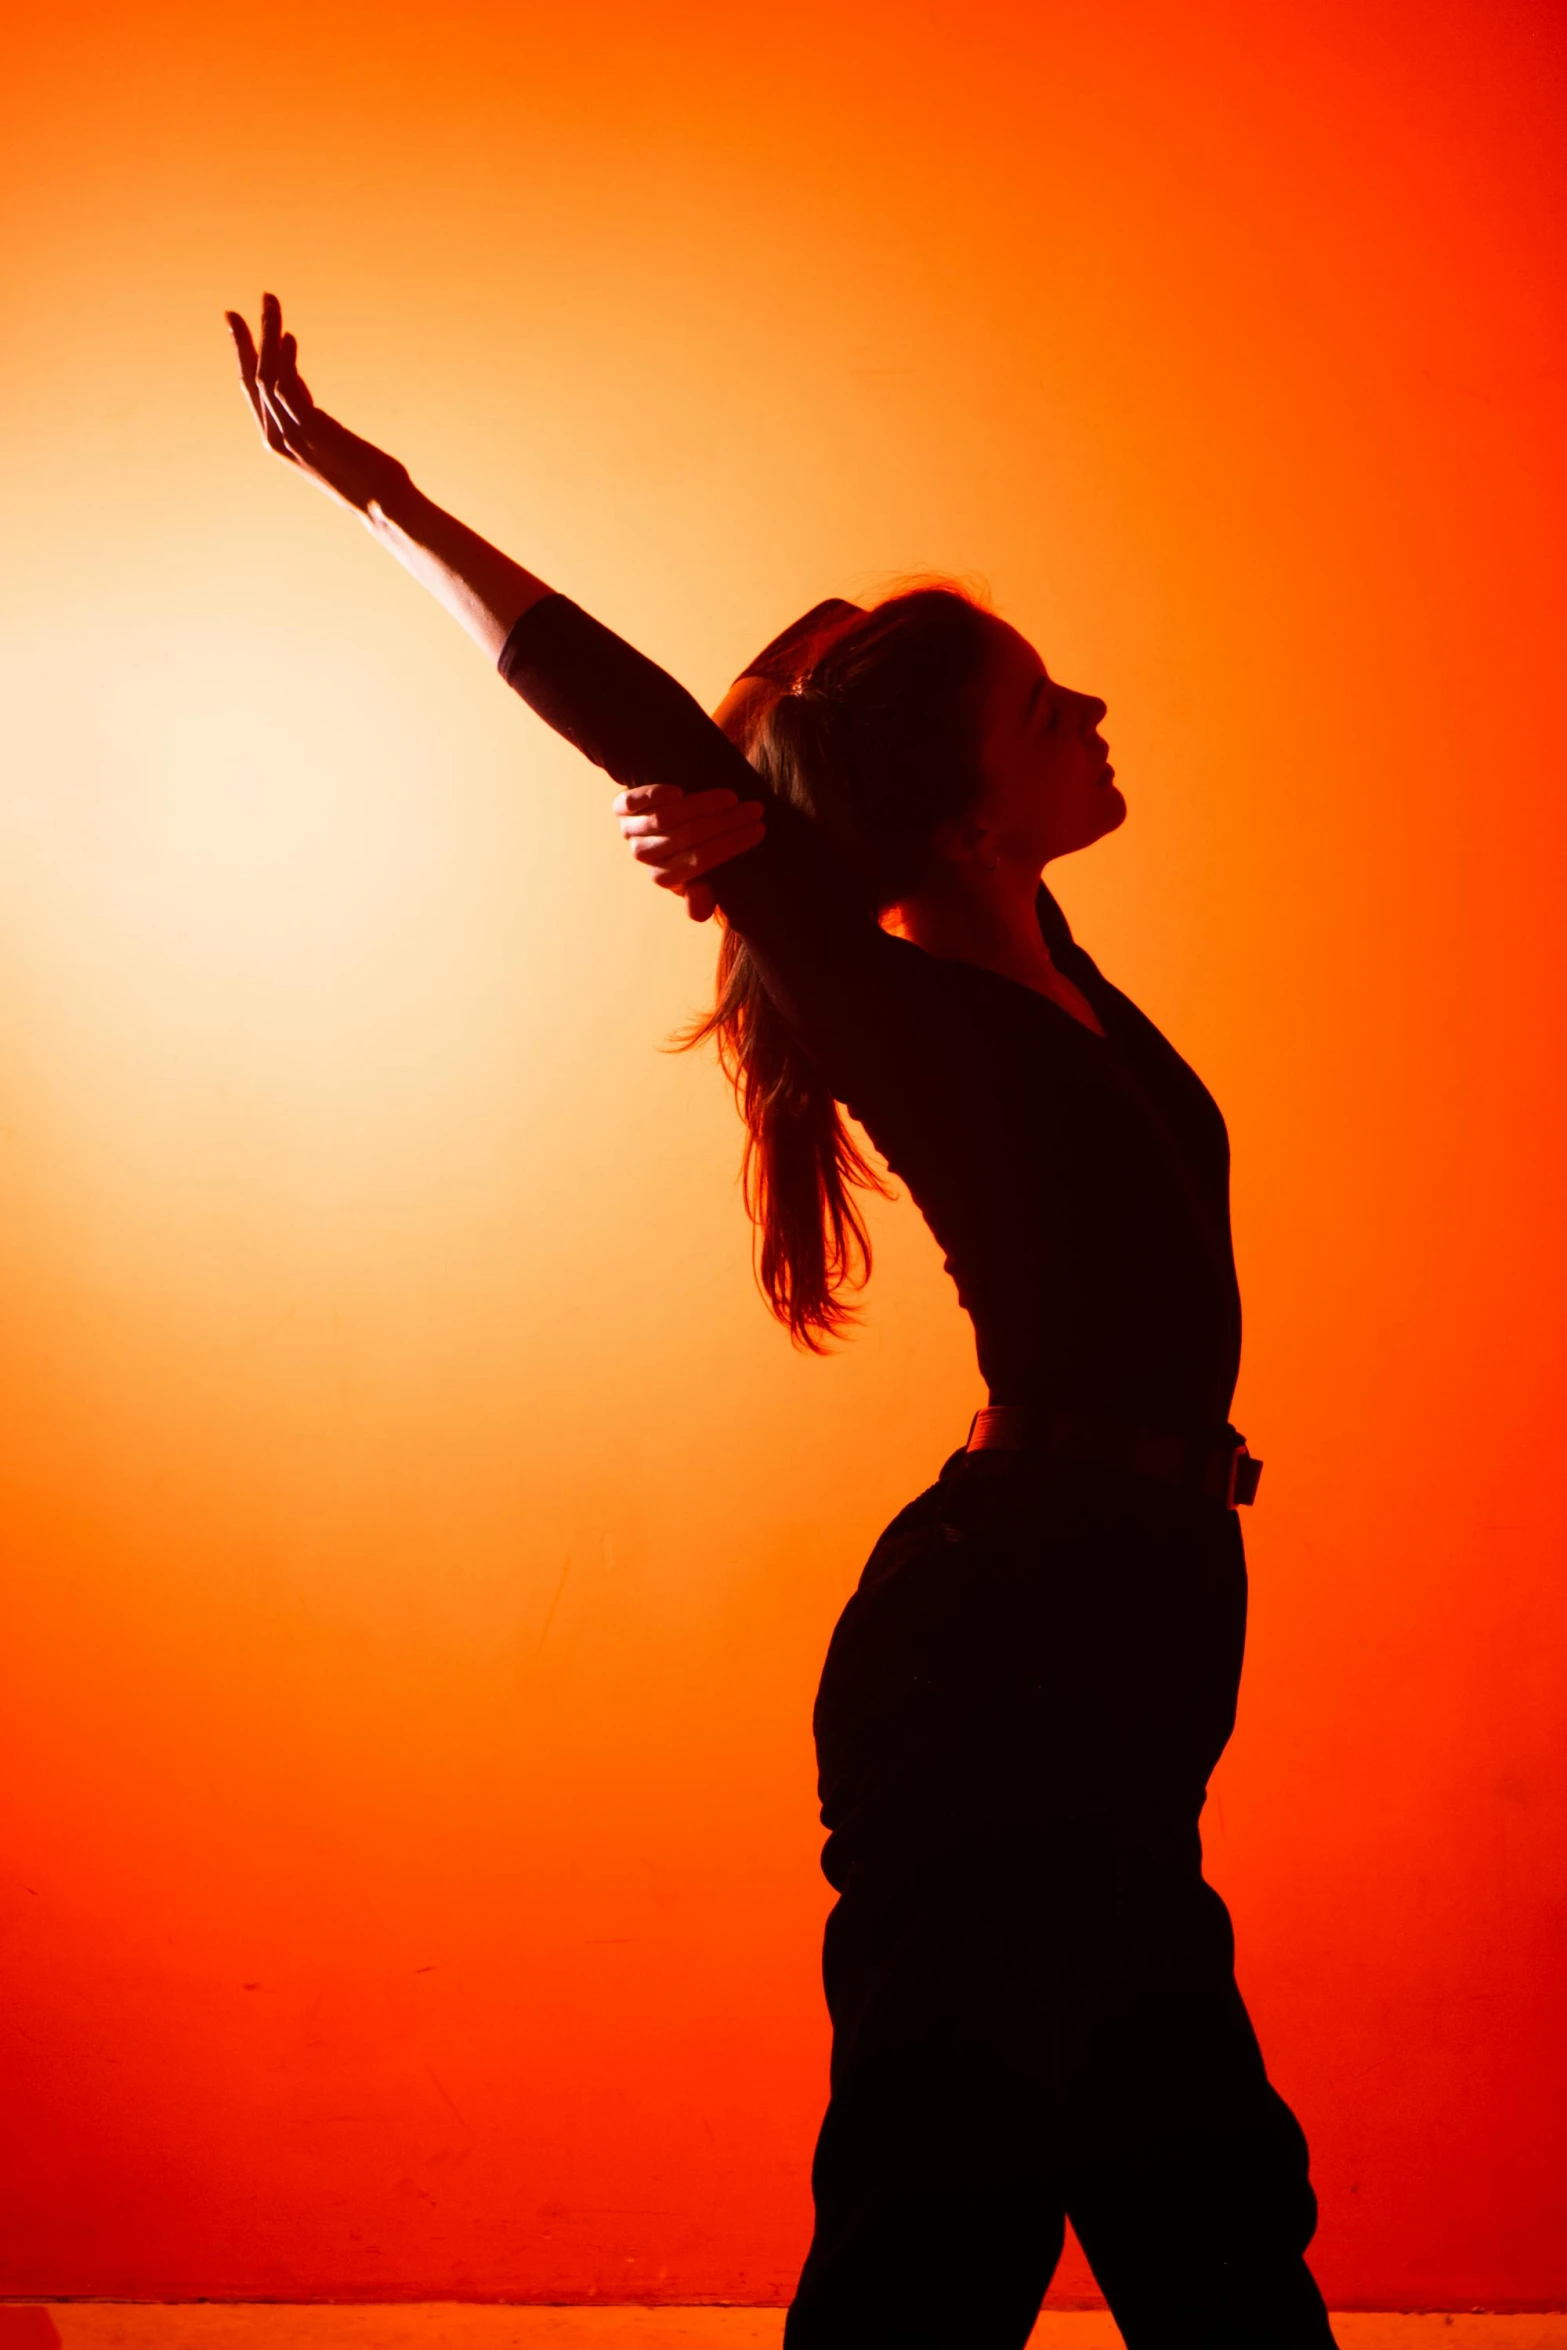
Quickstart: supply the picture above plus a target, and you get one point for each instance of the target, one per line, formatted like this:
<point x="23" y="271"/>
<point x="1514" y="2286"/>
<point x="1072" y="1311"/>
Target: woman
<point x="1032" y="1992"/>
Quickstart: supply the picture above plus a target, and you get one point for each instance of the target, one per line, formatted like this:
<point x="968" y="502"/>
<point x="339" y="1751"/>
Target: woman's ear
<point x="966" y="840"/>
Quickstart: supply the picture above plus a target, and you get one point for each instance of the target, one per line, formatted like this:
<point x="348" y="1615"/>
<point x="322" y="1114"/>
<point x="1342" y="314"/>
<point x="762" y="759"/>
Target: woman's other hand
<point x="354" y="472"/>
<point x="680" y="836"/>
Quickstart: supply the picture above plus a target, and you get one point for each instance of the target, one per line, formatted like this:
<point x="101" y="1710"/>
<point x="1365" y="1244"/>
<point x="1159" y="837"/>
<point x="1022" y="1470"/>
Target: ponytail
<point x="874" y="736"/>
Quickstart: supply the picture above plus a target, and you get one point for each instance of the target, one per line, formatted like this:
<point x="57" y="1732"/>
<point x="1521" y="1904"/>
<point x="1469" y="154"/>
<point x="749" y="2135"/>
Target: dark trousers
<point x="1032" y="1989"/>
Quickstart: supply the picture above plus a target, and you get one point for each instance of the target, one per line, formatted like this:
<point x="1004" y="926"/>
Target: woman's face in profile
<point x="1047" y="784"/>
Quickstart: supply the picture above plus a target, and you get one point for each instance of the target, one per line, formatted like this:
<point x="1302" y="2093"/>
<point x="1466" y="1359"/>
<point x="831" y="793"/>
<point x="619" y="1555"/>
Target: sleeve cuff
<point x="516" y="652"/>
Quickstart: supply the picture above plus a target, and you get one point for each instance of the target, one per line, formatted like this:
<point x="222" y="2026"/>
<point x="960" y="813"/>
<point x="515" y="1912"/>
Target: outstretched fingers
<point x="244" y="348"/>
<point x="290" y="392"/>
<point x="250" y="380"/>
<point x="269" y="360"/>
<point x="271" y="338"/>
<point x="285" y="403"/>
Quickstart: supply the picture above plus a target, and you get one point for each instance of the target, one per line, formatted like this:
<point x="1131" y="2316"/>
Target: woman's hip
<point x="1028" y="1645"/>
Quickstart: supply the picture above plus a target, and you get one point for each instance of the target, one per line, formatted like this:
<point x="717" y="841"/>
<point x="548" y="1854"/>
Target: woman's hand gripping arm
<point x="481" y="588"/>
<point x="680" y="836"/>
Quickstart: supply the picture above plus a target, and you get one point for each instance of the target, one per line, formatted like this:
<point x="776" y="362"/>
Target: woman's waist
<point x="1181" y="1382"/>
<point x="1166" y="1361"/>
<point x="1205" y="1457"/>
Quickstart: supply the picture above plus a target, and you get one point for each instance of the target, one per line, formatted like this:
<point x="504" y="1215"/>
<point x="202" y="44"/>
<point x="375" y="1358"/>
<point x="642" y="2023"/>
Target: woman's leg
<point x="1026" y="1972"/>
<point x="955" y="2268"/>
<point x="1198" y="2243"/>
<point x="936" y="2224"/>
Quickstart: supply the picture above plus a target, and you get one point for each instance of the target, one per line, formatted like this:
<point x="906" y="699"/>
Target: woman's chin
<point x="1105" y="813"/>
<point x="1108" y="814"/>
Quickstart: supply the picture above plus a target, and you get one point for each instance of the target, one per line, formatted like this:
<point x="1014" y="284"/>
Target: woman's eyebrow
<point x="1034" y="692"/>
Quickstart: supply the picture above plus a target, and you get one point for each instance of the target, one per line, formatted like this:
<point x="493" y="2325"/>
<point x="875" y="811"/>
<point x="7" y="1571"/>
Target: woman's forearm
<point x="481" y="588"/>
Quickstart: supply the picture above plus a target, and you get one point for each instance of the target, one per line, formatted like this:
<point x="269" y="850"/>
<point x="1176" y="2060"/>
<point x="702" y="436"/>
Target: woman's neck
<point x="989" y="919"/>
<point x="978" y="917"/>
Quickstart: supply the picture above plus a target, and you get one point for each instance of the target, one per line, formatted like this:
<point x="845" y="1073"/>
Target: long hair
<point x="875" y="738"/>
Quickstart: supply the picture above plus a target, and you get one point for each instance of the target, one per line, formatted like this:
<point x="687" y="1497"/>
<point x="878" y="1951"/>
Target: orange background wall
<point x="419" y="1545"/>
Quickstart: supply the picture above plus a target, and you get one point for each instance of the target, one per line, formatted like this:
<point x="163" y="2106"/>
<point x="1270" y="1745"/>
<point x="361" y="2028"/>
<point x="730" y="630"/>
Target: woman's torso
<point x="1077" y="1185"/>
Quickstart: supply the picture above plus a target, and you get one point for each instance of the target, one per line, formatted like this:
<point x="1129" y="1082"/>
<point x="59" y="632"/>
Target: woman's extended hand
<point x="354" y="472"/>
<point x="682" y="835"/>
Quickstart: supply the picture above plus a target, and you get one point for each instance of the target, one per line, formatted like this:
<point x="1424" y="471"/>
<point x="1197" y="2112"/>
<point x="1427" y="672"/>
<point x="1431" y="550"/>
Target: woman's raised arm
<point x="769" y="873"/>
<point x="482" y="588"/>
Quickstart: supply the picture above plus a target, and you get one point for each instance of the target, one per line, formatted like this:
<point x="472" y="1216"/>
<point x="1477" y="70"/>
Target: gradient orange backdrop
<point x="418" y="1543"/>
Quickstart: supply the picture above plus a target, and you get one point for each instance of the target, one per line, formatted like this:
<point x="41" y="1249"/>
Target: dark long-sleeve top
<point x="1078" y="1185"/>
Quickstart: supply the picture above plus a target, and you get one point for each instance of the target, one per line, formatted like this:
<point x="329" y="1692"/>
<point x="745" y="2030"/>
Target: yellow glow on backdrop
<point x="419" y="1546"/>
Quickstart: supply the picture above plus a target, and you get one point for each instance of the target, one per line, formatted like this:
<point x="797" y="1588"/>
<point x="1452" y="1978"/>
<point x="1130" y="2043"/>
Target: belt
<point x="1223" y="1471"/>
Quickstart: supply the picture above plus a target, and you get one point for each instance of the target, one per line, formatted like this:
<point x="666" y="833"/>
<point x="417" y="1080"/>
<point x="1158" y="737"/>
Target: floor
<point x="450" y="2325"/>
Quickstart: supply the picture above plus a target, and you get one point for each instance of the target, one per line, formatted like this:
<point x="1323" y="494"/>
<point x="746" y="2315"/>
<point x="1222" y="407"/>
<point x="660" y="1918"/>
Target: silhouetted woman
<point x="1032" y="1991"/>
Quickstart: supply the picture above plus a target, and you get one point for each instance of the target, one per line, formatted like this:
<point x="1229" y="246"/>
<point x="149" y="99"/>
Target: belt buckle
<point x="1240" y="1488"/>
